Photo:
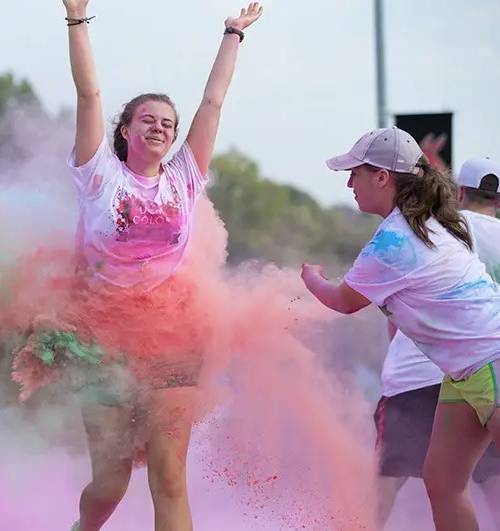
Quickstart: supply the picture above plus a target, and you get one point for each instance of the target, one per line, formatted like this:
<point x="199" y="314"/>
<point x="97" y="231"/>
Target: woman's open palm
<point x="247" y="16"/>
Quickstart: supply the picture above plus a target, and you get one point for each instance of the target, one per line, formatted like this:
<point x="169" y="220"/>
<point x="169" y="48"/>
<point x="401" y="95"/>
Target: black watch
<point x="230" y="30"/>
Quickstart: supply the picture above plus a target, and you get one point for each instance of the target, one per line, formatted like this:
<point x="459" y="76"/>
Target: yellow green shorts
<point x="479" y="390"/>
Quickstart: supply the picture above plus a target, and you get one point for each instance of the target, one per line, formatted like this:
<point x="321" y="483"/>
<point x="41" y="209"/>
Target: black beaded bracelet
<point x="230" y="30"/>
<point x="77" y="21"/>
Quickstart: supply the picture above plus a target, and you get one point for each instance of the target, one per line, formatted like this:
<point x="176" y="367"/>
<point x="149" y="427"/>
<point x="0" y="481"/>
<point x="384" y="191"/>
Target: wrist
<point x="76" y="13"/>
<point x="234" y="24"/>
<point x="309" y="281"/>
<point x="231" y="30"/>
<point x="316" y="283"/>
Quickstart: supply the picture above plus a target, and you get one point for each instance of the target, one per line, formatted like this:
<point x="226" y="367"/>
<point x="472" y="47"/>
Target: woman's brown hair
<point x="432" y="193"/>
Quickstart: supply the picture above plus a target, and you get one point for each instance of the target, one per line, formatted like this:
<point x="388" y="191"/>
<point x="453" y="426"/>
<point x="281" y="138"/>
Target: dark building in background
<point x="421" y="125"/>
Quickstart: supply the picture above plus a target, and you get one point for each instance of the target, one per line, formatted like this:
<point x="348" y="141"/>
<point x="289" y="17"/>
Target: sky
<point x="304" y="88"/>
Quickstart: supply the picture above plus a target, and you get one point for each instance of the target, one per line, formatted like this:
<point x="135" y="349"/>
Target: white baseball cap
<point x="474" y="170"/>
<point x="390" y="148"/>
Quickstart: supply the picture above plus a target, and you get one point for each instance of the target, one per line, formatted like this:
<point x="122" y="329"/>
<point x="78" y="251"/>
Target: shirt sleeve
<point x="92" y="177"/>
<point x="383" y="266"/>
<point x="184" y="166"/>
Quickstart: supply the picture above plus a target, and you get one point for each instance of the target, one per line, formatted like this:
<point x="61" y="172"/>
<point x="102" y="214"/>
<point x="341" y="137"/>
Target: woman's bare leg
<point x="387" y="490"/>
<point x="170" y="422"/>
<point x="458" y="440"/>
<point x="491" y="487"/>
<point x="109" y="441"/>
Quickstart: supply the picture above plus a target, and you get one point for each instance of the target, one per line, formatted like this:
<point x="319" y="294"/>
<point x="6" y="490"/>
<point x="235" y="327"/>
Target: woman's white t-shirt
<point x="485" y="232"/>
<point x="406" y="368"/>
<point x="133" y="230"/>
<point x="440" y="297"/>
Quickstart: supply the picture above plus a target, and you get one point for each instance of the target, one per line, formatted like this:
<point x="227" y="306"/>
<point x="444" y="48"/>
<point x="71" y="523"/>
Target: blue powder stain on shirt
<point x="392" y="248"/>
<point x="468" y="289"/>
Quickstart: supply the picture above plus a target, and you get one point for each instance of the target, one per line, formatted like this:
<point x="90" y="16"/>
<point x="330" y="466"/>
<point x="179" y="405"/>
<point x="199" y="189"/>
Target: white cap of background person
<point x="481" y="174"/>
<point x="390" y="148"/>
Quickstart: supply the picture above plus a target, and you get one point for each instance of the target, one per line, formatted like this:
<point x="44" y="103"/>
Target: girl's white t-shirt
<point x="485" y="232"/>
<point x="133" y="230"/>
<point x="440" y="297"/>
<point x="405" y="367"/>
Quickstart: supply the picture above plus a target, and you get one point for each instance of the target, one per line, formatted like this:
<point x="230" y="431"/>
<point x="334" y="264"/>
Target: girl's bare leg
<point x="108" y="432"/>
<point x="458" y="440"/>
<point x="170" y="421"/>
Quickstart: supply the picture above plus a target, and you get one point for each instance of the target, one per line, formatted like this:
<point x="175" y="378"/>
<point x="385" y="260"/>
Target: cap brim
<point x="343" y="162"/>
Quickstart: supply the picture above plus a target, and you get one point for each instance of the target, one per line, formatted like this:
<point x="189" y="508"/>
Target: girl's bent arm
<point x="341" y="298"/>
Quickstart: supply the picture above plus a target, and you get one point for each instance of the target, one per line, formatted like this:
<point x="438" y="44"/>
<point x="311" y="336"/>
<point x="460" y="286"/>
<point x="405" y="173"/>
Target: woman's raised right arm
<point x="89" y="117"/>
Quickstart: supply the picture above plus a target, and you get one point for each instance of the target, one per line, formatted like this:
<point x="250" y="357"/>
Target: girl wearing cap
<point x="131" y="335"/>
<point x="411" y="381"/>
<point x="420" y="270"/>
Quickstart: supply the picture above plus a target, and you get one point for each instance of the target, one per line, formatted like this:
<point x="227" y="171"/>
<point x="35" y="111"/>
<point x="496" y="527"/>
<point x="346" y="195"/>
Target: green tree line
<point x="279" y="222"/>
<point x="14" y="92"/>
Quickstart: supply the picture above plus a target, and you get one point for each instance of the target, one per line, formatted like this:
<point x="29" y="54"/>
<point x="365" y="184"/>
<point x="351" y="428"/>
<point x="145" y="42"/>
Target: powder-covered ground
<point x="39" y="492"/>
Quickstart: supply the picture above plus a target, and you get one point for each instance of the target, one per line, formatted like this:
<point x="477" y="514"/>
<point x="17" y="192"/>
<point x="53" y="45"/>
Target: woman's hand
<point x="247" y="17"/>
<point x="312" y="271"/>
<point x="341" y="298"/>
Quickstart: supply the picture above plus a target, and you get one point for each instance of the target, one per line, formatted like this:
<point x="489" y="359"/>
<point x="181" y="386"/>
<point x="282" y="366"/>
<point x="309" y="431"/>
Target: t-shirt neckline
<point x="142" y="180"/>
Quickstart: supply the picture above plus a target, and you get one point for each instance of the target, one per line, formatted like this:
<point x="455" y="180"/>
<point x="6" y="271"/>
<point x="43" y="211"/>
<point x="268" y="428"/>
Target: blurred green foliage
<point x="281" y="223"/>
<point x="13" y="92"/>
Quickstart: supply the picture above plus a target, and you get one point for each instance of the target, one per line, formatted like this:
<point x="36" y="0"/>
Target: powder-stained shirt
<point x="133" y="230"/>
<point x="405" y="367"/>
<point x="440" y="297"/>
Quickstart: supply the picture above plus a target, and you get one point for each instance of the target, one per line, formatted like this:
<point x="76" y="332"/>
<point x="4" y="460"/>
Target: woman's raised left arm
<point x="203" y="130"/>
